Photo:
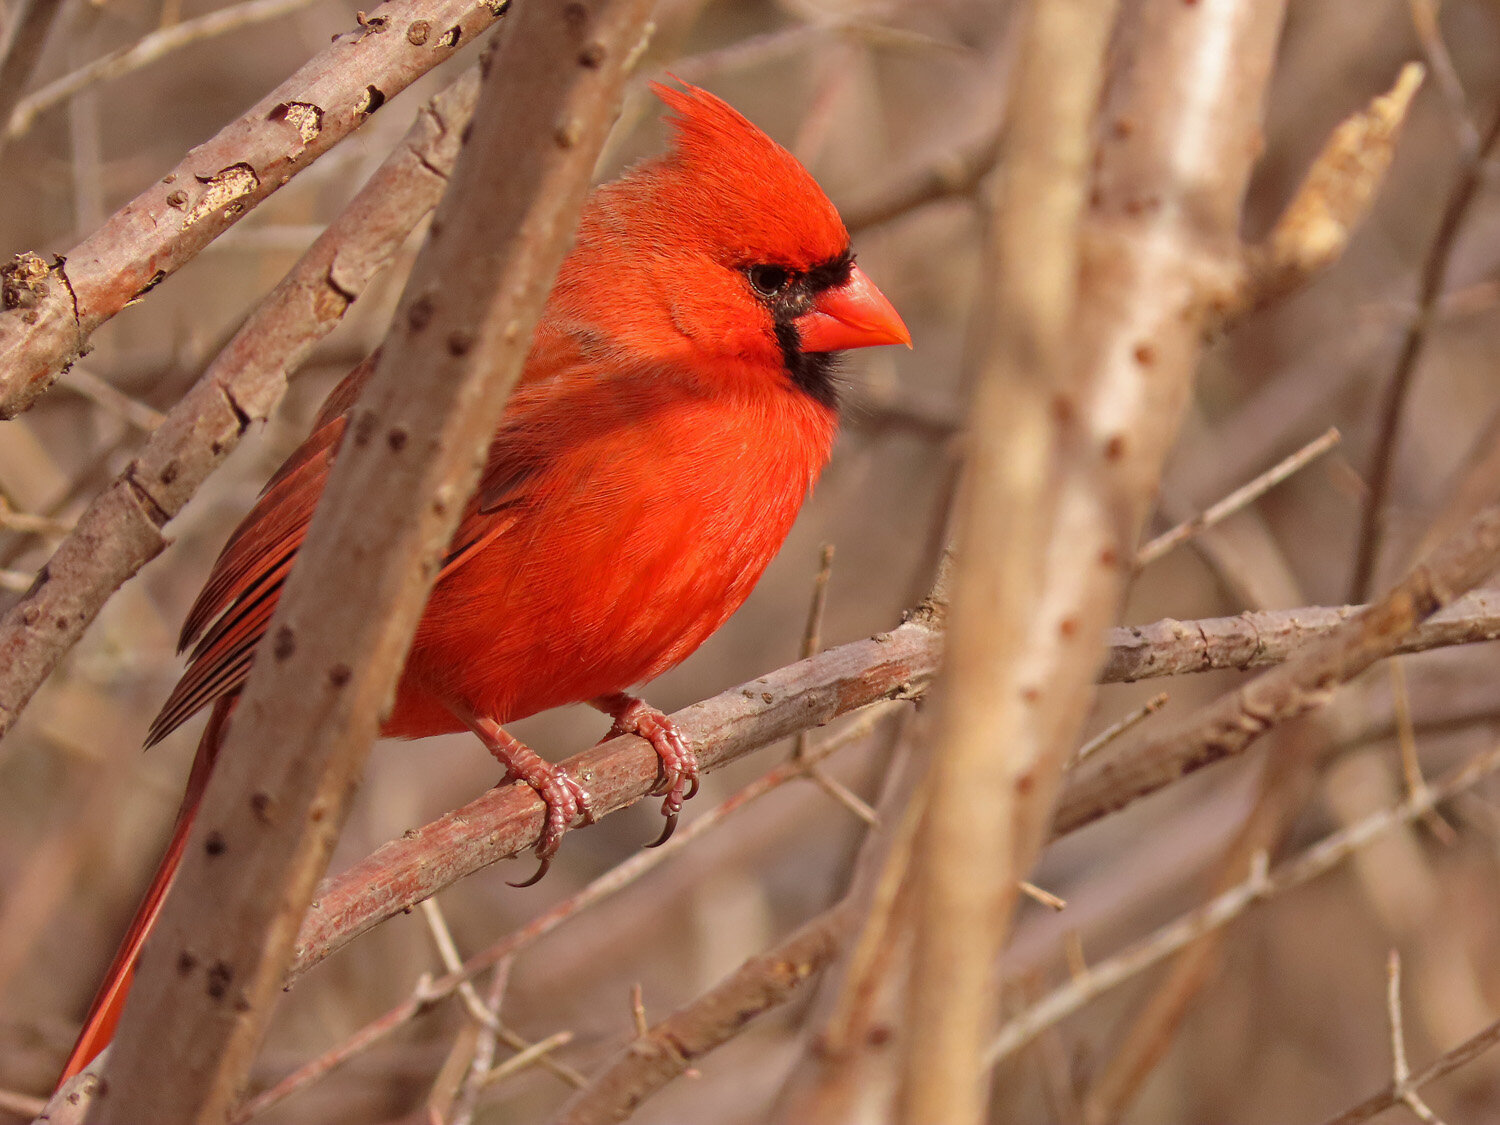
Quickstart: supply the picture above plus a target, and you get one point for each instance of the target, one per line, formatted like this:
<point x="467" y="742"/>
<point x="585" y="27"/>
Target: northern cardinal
<point x="676" y="407"/>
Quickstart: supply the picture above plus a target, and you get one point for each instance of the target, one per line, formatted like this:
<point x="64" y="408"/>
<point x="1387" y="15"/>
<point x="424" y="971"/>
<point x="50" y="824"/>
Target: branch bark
<point x="900" y="664"/>
<point x="964" y="867"/>
<point x="120" y="531"/>
<point x="309" y="713"/>
<point x="50" y="309"/>
<point x="1232" y="722"/>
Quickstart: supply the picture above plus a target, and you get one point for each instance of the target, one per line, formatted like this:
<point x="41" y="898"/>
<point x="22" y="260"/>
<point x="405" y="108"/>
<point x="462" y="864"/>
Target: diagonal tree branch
<point x="900" y="664"/>
<point x="765" y="981"/>
<point x="1229" y="724"/>
<point x="50" y="309"/>
<point x="120" y="531"/>
<point x="281" y="787"/>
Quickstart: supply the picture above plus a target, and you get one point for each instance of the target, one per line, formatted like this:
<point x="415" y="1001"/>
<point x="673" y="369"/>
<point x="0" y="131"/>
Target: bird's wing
<point x="234" y="608"/>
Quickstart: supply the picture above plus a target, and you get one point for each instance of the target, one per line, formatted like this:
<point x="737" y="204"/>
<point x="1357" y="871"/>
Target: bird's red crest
<point x="741" y="190"/>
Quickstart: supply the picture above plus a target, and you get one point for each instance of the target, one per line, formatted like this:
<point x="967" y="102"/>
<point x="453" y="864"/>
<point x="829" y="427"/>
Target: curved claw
<point x="678" y="778"/>
<point x="666" y="833"/>
<point x="537" y="878"/>
<point x="565" y="799"/>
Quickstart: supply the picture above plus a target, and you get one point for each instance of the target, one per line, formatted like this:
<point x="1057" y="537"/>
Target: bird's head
<point x="726" y="248"/>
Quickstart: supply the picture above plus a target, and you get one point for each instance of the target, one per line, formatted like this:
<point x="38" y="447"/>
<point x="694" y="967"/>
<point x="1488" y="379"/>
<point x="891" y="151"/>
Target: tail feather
<point x="109" y="1002"/>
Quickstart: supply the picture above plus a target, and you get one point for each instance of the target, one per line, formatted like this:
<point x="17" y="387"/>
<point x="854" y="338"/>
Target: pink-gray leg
<point x="566" y="800"/>
<point x="679" y="767"/>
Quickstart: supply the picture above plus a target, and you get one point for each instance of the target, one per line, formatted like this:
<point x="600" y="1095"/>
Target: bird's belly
<point x="561" y="610"/>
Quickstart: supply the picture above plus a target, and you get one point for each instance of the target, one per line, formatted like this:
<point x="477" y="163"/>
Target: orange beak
<point x="854" y="315"/>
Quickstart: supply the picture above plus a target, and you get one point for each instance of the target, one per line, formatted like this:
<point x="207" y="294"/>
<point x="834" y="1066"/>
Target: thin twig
<point x="812" y="641"/>
<point x="22" y="1105"/>
<point x="1400" y="1071"/>
<point x="474" y="1049"/>
<point x="485" y="1013"/>
<point x="532" y="1055"/>
<point x="1045" y="897"/>
<point x="442" y="938"/>
<point x="611" y="882"/>
<point x="1466" y="1052"/>
<point x="109" y="398"/>
<point x="668" y="1049"/>
<point x="1424" y="21"/>
<point x="1125" y="722"/>
<point x="1406" y="744"/>
<point x="1471" y="178"/>
<point x="27" y="524"/>
<point x="17" y="581"/>
<point x="1241" y="497"/>
<point x="1220" y="910"/>
<point x="28" y="25"/>
<point x="145" y="51"/>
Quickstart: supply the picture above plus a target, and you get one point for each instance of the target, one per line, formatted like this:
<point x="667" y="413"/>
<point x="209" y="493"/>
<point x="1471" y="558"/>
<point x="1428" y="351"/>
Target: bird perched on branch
<point x="678" y="403"/>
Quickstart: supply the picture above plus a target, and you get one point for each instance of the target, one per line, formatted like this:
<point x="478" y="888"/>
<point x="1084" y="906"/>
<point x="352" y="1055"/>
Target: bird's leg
<point x="679" y="768"/>
<point x="564" y="797"/>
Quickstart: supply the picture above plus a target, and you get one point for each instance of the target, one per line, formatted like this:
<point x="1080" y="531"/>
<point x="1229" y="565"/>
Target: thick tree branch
<point x="51" y="308"/>
<point x="1232" y="722"/>
<point x="120" y="531"/>
<point x="291" y="758"/>
<point x="900" y="664"/>
<point x="505" y="821"/>
<point x="965" y="867"/>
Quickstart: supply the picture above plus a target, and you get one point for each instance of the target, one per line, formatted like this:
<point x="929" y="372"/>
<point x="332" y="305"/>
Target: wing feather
<point x="232" y="613"/>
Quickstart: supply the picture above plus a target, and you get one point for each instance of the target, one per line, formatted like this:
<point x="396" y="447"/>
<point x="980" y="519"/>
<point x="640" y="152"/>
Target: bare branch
<point x="504" y="822"/>
<point x="1240" y="498"/>
<point x="281" y="785"/>
<point x="1129" y="721"/>
<point x="950" y="176"/>
<point x="1466" y="189"/>
<point x="964" y="868"/>
<point x="144" y="52"/>
<point x="1400" y="1071"/>
<point x="121" y="529"/>
<point x="26" y="32"/>
<point x="1231" y="723"/>
<point x="1255" y="640"/>
<point x="50" y="309"/>
<point x="760" y="984"/>
<point x="1466" y="1052"/>
<point x="900" y="664"/>
<point x="616" y="879"/>
<point x="1261" y="885"/>
<point x="1334" y="198"/>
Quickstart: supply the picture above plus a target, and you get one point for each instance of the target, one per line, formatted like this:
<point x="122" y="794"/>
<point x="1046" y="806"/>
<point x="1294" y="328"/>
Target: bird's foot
<point x="566" y="800"/>
<point x="678" y="781"/>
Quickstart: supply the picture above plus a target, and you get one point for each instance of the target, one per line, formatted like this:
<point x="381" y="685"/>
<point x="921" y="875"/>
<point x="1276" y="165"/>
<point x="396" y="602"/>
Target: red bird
<point x="677" y="405"/>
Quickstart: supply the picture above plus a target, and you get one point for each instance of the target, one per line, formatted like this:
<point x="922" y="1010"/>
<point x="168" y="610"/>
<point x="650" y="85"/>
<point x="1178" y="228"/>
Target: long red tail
<point x="109" y="1002"/>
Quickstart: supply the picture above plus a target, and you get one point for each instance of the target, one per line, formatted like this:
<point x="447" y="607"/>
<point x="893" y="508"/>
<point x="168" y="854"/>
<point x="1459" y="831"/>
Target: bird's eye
<point x="768" y="281"/>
